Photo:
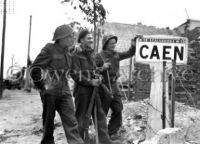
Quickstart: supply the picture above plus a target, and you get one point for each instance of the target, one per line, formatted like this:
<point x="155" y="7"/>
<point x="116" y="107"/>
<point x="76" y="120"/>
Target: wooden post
<point x="163" y="96"/>
<point x="173" y="92"/>
<point x="120" y="81"/>
<point x="27" y="82"/>
<point x="3" y="49"/>
<point x="130" y="78"/>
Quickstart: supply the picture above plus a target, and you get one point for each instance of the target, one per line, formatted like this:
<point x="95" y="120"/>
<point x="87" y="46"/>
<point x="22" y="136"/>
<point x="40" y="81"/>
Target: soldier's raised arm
<point x="130" y="52"/>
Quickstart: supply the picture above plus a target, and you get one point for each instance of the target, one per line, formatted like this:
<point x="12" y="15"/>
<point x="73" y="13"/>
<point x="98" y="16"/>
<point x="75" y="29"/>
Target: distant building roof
<point x="190" y="24"/>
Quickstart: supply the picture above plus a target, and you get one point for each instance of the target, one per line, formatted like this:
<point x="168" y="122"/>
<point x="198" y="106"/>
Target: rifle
<point x="92" y="105"/>
<point x="88" y="116"/>
<point x="107" y="90"/>
<point x="96" y="123"/>
<point x="109" y="83"/>
<point x="108" y="76"/>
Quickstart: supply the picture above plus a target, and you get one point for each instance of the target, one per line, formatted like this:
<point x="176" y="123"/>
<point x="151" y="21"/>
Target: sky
<point x="48" y="14"/>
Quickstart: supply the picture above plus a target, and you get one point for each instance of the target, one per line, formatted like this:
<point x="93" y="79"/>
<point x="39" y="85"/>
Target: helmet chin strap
<point x="108" y="49"/>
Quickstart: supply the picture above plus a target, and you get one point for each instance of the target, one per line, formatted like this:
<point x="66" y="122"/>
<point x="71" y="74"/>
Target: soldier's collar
<point x="60" y="48"/>
<point x="110" y="52"/>
<point x="86" y="49"/>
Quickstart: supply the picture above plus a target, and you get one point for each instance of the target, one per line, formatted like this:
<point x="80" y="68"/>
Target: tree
<point x="95" y="14"/>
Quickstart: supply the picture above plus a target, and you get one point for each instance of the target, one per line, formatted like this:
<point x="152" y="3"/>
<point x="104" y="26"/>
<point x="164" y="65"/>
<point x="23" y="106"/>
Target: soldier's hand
<point x="95" y="82"/>
<point x="133" y="41"/>
<point x="78" y="48"/>
<point x="106" y="65"/>
<point x="75" y="49"/>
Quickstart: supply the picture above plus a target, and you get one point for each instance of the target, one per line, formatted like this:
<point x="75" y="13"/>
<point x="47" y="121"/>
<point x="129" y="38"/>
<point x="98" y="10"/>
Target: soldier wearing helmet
<point x="54" y="60"/>
<point x="110" y="59"/>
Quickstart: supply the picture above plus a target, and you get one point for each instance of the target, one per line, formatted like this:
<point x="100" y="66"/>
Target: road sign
<point x="161" y="48"/>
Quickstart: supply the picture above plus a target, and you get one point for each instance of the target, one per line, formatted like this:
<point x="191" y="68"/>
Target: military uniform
<point x="49" y="75"/>
<point x="114" y="58"/>
<point x="84" y="62"/>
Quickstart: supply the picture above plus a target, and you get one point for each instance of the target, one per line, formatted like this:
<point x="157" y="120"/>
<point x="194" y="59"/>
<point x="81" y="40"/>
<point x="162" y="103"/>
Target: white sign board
<point x="162" y="48"/>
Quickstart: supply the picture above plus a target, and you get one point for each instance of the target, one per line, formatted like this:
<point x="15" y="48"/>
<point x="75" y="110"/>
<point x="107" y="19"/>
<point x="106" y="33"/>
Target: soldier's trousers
<point x="63" y="104"/>
<point x="82" y="100"/>
<point x="116" y="107"/>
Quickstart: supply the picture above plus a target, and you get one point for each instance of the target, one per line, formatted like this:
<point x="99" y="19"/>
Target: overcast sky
<point x="48" y="14"/>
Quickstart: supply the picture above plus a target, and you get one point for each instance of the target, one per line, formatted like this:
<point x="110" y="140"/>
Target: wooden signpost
<point x="160" y="51"/>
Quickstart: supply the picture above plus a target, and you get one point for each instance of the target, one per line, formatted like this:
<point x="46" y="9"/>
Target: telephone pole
<point x="27" y="82"/>
<point x="3" y="48"/>
<point x="4" y="12"/>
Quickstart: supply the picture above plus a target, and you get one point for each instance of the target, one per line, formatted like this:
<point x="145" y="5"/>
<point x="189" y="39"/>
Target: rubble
<point x="167" y="136"/>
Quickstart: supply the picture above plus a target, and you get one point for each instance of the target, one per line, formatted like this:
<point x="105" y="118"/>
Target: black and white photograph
<point x="99" y="72"/>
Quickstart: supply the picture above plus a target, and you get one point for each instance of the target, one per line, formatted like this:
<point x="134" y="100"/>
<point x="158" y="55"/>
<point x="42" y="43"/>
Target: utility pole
<point x="130" y="78"/>
<point x="27" y="82"/>
<point x="3" y="48"/>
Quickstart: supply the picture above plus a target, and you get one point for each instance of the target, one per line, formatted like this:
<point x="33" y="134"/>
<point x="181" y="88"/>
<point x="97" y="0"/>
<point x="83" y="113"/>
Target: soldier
<point x="85" y="83"/>
<point x="111" y="58"/>
<point x="54" y="91"/>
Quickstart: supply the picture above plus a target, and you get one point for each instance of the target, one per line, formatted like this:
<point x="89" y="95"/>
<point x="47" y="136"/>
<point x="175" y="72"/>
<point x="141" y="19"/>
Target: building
<point x="190" y="25"/>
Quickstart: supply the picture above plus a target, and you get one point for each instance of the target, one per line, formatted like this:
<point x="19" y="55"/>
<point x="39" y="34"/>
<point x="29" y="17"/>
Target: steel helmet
<point x="62" y="31"/>
<point x="106" y="38"/>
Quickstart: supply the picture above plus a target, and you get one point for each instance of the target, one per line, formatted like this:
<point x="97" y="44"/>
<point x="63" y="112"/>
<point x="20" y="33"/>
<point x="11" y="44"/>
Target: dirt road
<point x="21" y="122"/>
<point x="20" y="119"/>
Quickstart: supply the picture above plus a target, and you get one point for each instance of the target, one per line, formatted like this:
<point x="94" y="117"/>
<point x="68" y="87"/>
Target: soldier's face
<point x="111" y="44"/>
<point x="87" y="41"/>
<point x="68" y="41"/>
